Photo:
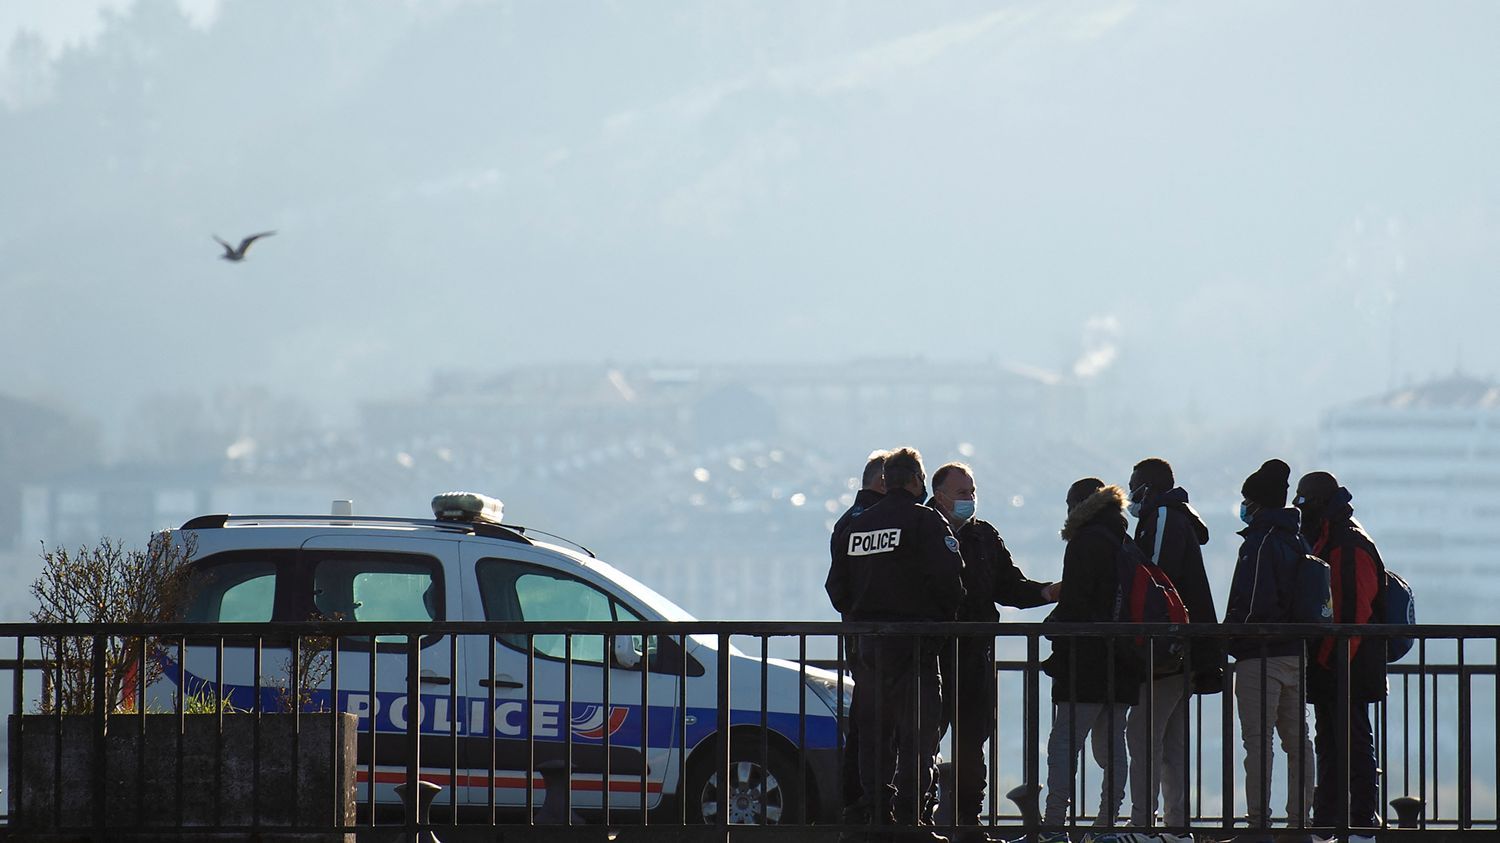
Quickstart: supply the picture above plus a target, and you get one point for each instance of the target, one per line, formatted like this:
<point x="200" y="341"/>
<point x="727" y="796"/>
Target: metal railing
<point x="618" y="726"/>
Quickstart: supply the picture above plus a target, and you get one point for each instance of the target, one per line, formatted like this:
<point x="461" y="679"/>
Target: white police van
<point x="464" y="565"/>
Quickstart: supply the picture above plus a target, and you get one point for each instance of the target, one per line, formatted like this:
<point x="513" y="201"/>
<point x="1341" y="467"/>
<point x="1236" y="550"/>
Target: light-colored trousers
<point x="1285" y="712"/>
<point x="1161" y="734"/>
<point x="1071" y="725"/>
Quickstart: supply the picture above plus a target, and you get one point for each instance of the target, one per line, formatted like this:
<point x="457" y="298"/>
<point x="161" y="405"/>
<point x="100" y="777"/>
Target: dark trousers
<point x="968" y="686"/>
<point x="1362" y="787"/>
<point x="898" y="704"/>
<point x="853" y="793"/>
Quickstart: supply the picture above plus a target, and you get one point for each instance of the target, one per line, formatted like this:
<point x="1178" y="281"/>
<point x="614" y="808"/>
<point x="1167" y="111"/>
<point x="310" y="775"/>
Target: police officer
<point x="856" y="810"/>
<point x="899" y="563"/>
<point x="968" y="680"/>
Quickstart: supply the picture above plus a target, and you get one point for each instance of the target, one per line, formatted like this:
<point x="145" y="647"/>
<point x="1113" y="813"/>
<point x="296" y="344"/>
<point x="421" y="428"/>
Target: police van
<point x="660" y="723"/>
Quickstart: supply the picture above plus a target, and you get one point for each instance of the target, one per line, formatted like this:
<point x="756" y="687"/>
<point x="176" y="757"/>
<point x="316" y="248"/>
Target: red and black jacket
<point x="1358" y="580"/>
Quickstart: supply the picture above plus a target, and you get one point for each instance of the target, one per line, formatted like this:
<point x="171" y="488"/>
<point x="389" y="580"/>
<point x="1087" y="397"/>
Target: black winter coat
<point x="1172" y="534"/>
<point x="991" y="575"/>
<point x="1080" y="667"/>
<point x="1359" y="595"/>
<point x="1264" y="578"/>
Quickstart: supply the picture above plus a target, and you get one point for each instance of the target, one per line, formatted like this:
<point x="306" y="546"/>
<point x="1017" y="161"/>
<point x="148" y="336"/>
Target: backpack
<point x="1312" y="594"/>
<point x="1401" y="608"/>
<point x="1145" y="594"/>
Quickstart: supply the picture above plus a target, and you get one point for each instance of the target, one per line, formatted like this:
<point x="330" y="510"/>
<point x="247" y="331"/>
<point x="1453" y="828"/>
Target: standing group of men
<point x="902" y="555"/>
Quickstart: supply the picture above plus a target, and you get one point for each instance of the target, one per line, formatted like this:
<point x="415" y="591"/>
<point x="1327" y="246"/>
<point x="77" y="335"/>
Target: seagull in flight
<point x="235" y="255"/>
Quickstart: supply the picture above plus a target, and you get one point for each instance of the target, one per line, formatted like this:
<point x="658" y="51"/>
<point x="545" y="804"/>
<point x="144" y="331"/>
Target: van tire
<point x="750" y="802"/>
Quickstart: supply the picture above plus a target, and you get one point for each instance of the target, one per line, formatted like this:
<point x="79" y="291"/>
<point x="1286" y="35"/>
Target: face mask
<point x="1245" y="514"/>
<point x="1134" y="509"/>
<point x="963" y="510"/>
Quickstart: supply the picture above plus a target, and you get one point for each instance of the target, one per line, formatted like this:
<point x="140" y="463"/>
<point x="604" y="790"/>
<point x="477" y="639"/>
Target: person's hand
<point x="1051" y="591"/>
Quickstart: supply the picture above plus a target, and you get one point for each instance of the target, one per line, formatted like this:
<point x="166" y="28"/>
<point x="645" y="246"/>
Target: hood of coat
<point x="1177" y="498"/>
<point x="1106" y="506"/>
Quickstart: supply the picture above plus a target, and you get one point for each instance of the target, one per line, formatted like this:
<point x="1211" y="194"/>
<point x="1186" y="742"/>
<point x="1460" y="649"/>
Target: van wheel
<point x="759" y="794"/>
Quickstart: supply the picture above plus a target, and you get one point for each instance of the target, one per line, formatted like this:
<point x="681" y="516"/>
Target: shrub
<point x="106" y="583"/>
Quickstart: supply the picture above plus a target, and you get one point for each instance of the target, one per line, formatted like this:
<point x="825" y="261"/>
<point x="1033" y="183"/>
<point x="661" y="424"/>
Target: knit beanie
<point x="1268" y="485"/>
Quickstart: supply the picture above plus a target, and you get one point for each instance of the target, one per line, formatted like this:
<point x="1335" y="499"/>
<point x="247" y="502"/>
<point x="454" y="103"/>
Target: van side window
<point x="512" y="591"/>
<point x="355" y="588"/>
<point x="242" y="591"/>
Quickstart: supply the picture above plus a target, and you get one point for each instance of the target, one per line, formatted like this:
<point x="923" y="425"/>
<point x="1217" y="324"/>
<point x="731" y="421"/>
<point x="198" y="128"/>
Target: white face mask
<point x="963" y="510"/>
<point x="1134" y="509"/>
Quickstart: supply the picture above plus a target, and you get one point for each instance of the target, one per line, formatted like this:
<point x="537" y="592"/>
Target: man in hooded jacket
<point x="1359" y="595"/>
<point x="1171" y="534"/>
<point x="1094" y="679"/>
<point x="1268" y="680"/>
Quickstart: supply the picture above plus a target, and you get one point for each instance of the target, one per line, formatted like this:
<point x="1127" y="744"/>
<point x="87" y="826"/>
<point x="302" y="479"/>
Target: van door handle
<point x="427" y="677"/>
<point x="504" y="680"/>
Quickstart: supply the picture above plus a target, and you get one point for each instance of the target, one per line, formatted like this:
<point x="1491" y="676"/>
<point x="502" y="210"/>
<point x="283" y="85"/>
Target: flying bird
<point x="235" y="255"/>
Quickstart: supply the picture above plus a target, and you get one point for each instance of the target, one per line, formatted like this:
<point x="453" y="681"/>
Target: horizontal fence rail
<point x="697" y="730"/>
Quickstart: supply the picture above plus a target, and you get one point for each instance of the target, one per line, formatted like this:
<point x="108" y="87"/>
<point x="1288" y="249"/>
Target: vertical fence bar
<point x="335" y="732"/>
<point x="1033" y="720"/>
<point x="1422" y="727"/>
<point x="682" y="718"/>
<point x="101" y="729"/>
<point x="180" y="699"/>
<point x="530" y="772"/>
<point x="255" y="732"/>
<point x="489" y="720"/>
<point x="219" y="726"/>
<point x="141" y="676"/>
<point x="62" y="652"/>
<point x="992" y="676"/>
<point x="453" y="675"/>
<point x="838" y="704"/>
<point x="1465" y="734"/>
<point x="722" y="760"/>
<point x="413" y="727"/>
<point x="1343" y="699"/>
<point x="17" y="704"/>
<point x="1226" y="742"/>
<point x="765" y="735"/>
<point x="609" y="650"/>
<point x="842" y="724"/>
<point x="295" y="683"/>
<point x="645" y="728"/>
<point x="567" y="726"/>
<point x="374" y="711"/>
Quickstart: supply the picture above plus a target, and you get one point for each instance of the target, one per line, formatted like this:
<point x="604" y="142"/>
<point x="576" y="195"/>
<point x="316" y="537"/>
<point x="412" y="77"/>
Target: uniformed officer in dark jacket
<point x="1359" y="595"/>
<point x="872" y="489"/>
<point x="1171" y="534"/>
<point x="967" y="663"/>
<point x="899" y="563"/>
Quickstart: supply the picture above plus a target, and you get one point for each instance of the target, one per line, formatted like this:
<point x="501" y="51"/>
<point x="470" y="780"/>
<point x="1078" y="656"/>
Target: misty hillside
<point x="495" y="184"/>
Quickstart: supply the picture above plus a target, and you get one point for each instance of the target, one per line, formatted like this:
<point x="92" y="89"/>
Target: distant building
<point x="1423" y="464"/>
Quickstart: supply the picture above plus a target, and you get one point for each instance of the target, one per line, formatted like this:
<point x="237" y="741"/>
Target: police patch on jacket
<point x="875" y="541"/>
<point x="951" y="542"/>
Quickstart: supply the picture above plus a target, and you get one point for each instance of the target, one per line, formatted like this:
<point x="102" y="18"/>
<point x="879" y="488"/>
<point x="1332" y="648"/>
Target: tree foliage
<point x="106" y="583"/>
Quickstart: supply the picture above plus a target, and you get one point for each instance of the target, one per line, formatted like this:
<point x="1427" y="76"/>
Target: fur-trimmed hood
<point x="1109" y="501"/>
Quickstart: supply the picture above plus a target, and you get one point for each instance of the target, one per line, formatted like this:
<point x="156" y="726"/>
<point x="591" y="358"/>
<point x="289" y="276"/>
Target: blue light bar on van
<point x="467" y="506"/>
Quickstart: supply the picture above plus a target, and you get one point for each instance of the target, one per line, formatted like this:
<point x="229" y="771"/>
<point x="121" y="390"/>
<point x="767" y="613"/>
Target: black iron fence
<point x="378" y="728"/>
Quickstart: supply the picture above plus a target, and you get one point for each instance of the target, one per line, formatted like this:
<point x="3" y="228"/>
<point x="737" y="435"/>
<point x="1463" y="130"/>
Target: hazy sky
<point x="1258" y="209"/>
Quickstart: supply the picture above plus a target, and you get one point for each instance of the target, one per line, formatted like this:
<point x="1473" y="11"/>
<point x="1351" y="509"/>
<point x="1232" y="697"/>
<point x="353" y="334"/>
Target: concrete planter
<point x="266" y="772"/>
